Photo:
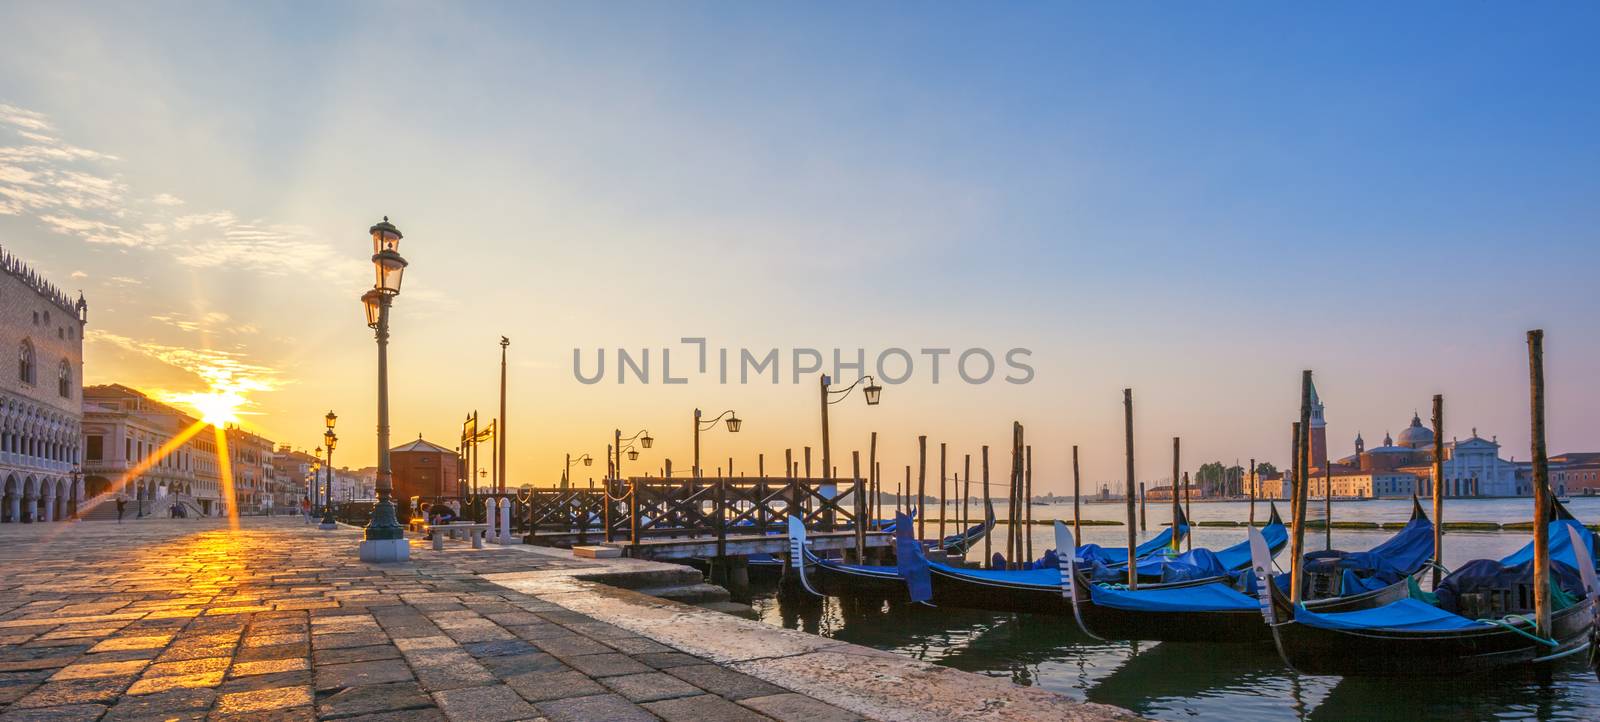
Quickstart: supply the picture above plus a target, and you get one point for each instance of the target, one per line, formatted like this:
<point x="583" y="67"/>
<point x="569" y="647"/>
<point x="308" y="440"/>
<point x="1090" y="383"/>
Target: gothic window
<point x="64" y="380"/>
<point x="25" y="362"/>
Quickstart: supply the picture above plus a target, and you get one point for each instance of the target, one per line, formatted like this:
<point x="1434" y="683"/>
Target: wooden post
<point x="1133" y="536"/>
<point x="1176" y="540"/>
<point x="1077" y="534"/>
<point x="1188" y="541"/>
<point x="1297" y="553"/>
<point x="761" y="464"/>
<point x="1143" y="508"/>
<point x="943" y="490"/>
<point x="1014" y="538"/>
<point x="966" y="496"/>
<point x="1252" y="492"/>
<point x="1294" y="470"/>
<point x="988" y="554"/>
<point x="1027" y="493"/>
<point x="1438" y="486"/>
<point x="861" y="508"/>
<point x="872" y="468"/>
<point x="1541" y="484"/>
<point x="922" y="486"/>
<point x="808" y="463"/>
<point x="722" y="520"/>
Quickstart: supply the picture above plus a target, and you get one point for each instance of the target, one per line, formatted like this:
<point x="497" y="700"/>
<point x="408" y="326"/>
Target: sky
<point x="1192" y="201"/>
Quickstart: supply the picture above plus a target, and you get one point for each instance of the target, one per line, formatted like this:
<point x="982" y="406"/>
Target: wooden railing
<point x="646" y="508"/>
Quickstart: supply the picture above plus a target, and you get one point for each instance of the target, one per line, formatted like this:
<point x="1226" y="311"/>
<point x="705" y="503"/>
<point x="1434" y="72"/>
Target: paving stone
<point x="509" y="666"/>
<point x="89" y="670"/>
<point x="571" y="646"/>
<point x="68" y="713"/>
<point x="355" y="654"/>
<point x="260" y="700"/>
<point x="192" y="666"/>
<point x="649" y="686"/>
<point x="663" y="660"/>
<point x="430" y="714"/>
<point x="724" y="682"/>
<point x="499" y="648"/>
<point x="541" y="686"/>
<point x="635" y="645"/>
<point x="356" y="674"/>
<point x="791" y="707"/>
<point x="704" y="708"/>
<point x="180" y="704"/>
<point x="269" y="666"/>
<point x="164" y="683"/>
<point x="494" y="703"/>
<point x="369" y="699"/>
<point x="610" y="707"/>
<point x="605" y="665"/>
<point x="76" y="691"/>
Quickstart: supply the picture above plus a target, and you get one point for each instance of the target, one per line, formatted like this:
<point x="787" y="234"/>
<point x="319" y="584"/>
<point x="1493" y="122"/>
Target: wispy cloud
<point x="77" y="192"/>
<point x="228" y="372"/>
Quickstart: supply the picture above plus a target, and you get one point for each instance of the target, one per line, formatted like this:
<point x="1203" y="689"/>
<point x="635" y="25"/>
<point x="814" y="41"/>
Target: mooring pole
<point x="1541" y="484"/>
<point x="1077" y="533"/>
<point x="1327" y="505"/>
<point x="1438" y="487"/>
<point x="1188" y="540"/>
<point x="988" y="554"/>
<point x="1133" y="536"/>
<point x="943" y="491"/>
<point x="1296" y="577"/>
<point x="1177" y="534"/>
<point x="1252" y="492"/>
<point x="1027" y="493"/>
<point x="872" y="469"/>
<point x="922" y="487"/>
<point x="1144" y="508"/>
<point x="966" y="494"/>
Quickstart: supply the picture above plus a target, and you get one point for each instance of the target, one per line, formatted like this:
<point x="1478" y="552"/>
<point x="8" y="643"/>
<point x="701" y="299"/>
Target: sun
<point x="218" y="408"/>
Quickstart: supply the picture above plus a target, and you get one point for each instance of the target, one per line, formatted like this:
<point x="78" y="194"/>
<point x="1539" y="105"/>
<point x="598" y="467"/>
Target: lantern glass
<point x="633" y="455"/>
<point x="330" y="439"/>
<point x="385" y="237"/>
<point x="372" y="301"/>
<point x="734" y="422"/>
<point x="872" y="391"/>
<point x="588" y="460"/>
<point x="647" y="441"/>
<point x="330" y="418"/>
<point x="389" y="267"/>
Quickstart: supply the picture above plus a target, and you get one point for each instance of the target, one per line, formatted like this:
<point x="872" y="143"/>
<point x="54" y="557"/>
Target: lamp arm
<point x="642" y="432"/>
<point x="845" y="392"/>
<point x="708" y="425"/>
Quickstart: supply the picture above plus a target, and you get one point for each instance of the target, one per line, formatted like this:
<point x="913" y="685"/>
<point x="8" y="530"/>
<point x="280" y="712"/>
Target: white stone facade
<point x="41" y="329"/>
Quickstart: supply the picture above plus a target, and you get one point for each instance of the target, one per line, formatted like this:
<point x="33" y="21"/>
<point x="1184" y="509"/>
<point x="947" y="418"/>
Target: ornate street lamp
<point x="587" y="461"/>
<point x="871" y="391"/>
<point x="645" y="440"/>
<point x="385" y="539"/>
<point x="328" y="520"/>
<point x="734" y="422"/>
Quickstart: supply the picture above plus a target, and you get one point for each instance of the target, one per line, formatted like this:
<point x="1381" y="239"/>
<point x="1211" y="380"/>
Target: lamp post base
<point x="326" y="525"/>
<point x="385" y="550"/>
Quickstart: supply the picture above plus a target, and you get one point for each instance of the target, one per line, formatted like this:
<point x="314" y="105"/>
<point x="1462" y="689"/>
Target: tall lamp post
<point x="316" y="481"/>
<point x="328" y="521"/>
<point x="733" y="427"/>
<point x="645" y="440"/>
<point x="385" y="539"/>
<point x="74" y="492"/>
<point x="587" y="461"/>
<point x="871" y="391"/>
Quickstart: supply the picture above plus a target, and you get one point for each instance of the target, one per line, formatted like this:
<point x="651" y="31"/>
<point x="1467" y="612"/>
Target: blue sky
<point x="1195" y="201"/>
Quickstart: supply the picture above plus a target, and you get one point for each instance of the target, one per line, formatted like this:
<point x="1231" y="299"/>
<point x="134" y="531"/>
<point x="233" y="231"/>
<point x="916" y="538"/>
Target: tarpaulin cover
<point x="1214" y="597"/>
<point x="1404" y="614"/>
<point x="1560" y="545"/>
<point x="910" y="561"/>
<point x="1192" y="564"/>
<point x="1485" y="574"/>
<point x="1389" y="562"/>
<point x="1112" y="556"/>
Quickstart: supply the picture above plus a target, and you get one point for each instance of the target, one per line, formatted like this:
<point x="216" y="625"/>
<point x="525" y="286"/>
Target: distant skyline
<point x="1196" y="203"/>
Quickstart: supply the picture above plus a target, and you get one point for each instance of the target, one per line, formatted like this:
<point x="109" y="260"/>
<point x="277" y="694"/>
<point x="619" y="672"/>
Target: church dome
<point x="1415" y="436"/>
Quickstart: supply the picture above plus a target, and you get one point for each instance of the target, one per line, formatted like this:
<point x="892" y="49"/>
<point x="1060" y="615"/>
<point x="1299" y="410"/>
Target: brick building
<point x="423" y="468"/>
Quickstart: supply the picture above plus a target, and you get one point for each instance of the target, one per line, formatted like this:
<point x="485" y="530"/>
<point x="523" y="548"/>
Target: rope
<point x="1508" y="625"/>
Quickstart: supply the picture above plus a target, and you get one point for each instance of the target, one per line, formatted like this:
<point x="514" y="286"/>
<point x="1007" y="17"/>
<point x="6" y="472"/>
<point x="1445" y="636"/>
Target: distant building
<point x="423" y="468"/>
<point x="1575" y="474"/>
<point x="250" y="463"/>
<point x="151" y="453"/>
<point x="40" y="414"/>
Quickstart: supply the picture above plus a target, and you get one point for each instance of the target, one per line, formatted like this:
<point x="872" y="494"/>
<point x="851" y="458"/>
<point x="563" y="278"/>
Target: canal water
<point x="1210" y="681"/>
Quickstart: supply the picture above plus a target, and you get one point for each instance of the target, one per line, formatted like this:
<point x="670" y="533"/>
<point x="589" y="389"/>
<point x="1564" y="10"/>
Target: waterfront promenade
<point x="187" y="619"/>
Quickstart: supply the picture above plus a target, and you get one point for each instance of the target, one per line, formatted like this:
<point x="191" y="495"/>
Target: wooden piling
<point x="1541" y="484"/>
<point x="922" y="487"/>
<point x="1327" y="505"/>
<point x="1297" y="553"/>
<point x="1438" y="488"/>
<point x="808" y="462"/>
<point x="761" y="464"/>
<point x="1294" y="469"/>
<point x="988" y="553"/>
<point x="1077" y="533"/>
<point x="1188" y="540"/>
<point x="1144" y="505"/>
<point x="966" y="494"/>
<point x="1133" y="536"/>
<point x="943" y="490"/>
<point x="1177" y="539"/>
<point x="861" y="507"/>
<point x="872" y="468"/>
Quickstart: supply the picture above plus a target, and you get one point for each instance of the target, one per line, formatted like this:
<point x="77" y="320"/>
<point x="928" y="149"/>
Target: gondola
<point x="1215" y="610"/>
<point x="1475" y="621"/>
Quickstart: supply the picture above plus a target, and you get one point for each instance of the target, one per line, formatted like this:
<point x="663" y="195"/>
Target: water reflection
<point x="1170" y="680"/>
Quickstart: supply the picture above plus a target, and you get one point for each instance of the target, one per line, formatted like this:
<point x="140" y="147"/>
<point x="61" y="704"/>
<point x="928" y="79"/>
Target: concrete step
<point x="736" y="609"/>
<point x="665" y="575"/>
<point x="697" y="594"/>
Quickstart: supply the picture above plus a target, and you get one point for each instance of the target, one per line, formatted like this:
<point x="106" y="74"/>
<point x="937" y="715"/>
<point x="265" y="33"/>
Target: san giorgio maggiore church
<point x="1403" y="465"/>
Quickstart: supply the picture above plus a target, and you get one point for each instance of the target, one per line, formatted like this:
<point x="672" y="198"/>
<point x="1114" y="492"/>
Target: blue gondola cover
<point x="909" y="559"/>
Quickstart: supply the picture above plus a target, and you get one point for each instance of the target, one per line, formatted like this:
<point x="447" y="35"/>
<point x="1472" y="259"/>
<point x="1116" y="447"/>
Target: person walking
<point x="122" y="503"/>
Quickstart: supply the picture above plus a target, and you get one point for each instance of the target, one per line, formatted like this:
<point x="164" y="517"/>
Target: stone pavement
<point x="185" y="619"/>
